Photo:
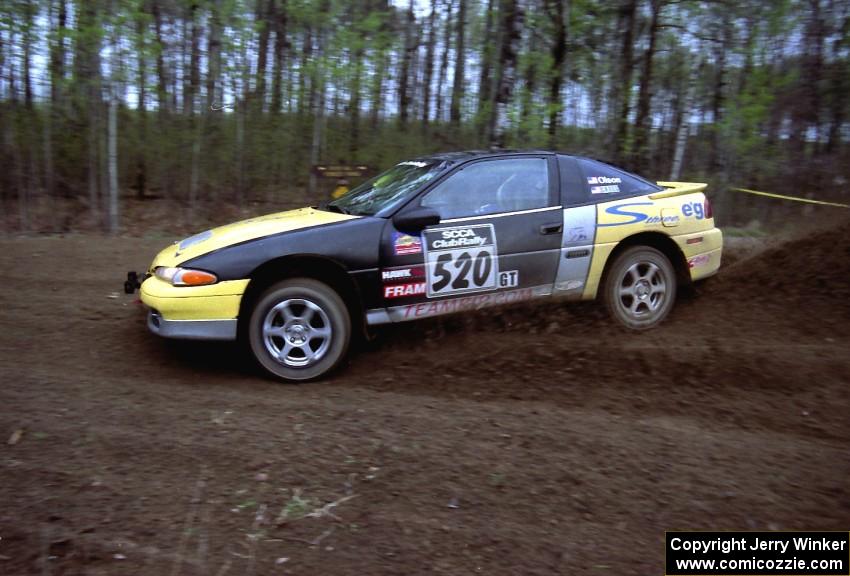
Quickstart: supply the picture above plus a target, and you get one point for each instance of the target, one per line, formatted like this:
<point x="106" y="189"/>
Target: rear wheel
<point x="299" y="329"/>
<point x="640" y="288"/>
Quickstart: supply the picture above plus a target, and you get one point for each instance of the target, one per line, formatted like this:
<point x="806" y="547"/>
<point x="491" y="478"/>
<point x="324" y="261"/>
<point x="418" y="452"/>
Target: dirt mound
<point x="801" y="281"/>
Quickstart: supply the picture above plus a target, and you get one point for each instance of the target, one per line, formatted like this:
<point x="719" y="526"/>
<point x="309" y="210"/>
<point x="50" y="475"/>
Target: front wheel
<point x="640" y="288"/>
<point x="299" y="329"/>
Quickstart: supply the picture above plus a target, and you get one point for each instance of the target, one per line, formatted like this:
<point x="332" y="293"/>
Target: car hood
<point x="243" y="231"/>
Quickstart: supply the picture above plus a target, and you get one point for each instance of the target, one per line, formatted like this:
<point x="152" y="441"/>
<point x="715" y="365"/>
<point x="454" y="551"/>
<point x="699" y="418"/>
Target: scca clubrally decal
<point x="460" y="259"/>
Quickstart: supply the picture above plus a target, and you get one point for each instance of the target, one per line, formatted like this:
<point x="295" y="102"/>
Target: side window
<point x="606" y="180"/>
<point x="491" y="187"/>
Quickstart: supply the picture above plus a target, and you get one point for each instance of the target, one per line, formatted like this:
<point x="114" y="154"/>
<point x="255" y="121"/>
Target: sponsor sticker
<point x="610" y="189"/>
<point x="569" y="285"/>
<point x="634" y="216"/>
<point x="461" y="259"/>
<point x="578" y="234"/>
<point x="406" y="244"/>
<point x="402" y="290"/>
<point x="695" y="209"/>
<point x="402" y="274"/>
<point x="698" y="261"/>
<point x="475" y="302"/>
<point x="603" y="180"/>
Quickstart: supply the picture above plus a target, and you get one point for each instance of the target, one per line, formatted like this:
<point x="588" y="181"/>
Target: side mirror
<point x="416" y="219"/>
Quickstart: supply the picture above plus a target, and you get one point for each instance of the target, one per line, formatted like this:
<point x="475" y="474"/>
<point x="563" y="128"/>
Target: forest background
<point x="156" y="115"/>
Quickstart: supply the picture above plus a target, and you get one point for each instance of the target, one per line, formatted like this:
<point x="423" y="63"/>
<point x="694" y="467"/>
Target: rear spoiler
<point x="678" y="189"/>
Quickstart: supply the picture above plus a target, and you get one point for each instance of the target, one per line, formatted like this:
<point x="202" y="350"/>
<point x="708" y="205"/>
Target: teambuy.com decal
<point x="757" y="554"/>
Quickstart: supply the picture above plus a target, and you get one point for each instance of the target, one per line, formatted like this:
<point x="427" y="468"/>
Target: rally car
<point x="431" y="236"/>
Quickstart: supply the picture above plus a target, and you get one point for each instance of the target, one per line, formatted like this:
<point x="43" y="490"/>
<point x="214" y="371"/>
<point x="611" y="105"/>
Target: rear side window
<point x="604" y="180"/>
<point x="573" y="185"/>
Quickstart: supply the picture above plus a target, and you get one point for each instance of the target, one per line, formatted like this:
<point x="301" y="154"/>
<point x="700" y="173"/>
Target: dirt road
<point x="540" y="440"/>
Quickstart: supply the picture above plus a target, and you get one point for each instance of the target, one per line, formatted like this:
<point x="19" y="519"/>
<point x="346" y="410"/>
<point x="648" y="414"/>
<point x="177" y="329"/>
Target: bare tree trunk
<point x="556" y="10"/>
<point x="280" y="46"/>
<point x="627" y="26"/>
<point x="265" y="17"/>
<point x="485" y="81"/>
<point x="429" y="64"/>
<point x="640" y="153"/>
<point x="141" y="149"/>
<point x="460" y="52"/>
<point x="718" y="98"/>
<point x="683" y="127"/>
<point x="214" y="58"/>
<point x="161" y="75"/>
<point x="444" y="61"/>
<point x="318" y="108"/>
<point x="57" y="76"/>
<point x="404" y="83"/>
<point x="113" y="160"/>
<point x="510" y="26"/>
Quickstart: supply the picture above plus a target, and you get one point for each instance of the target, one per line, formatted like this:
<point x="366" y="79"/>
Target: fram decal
<point x="406" y="244"/>
<point x="402" y="290"/>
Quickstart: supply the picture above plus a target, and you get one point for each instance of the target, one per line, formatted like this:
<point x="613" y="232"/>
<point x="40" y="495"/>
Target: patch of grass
<point x="496" y="479"/>
<point x="296" y="507"/>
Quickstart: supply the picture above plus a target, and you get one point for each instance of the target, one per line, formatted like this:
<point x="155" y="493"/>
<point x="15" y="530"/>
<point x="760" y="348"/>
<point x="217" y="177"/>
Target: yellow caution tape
<point x="821" y="202"/>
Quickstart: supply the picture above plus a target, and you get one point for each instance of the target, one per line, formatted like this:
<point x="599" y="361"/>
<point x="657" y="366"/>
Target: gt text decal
<point x="461" y="259"/>
<point x="509" y="279"/>
<point x="406" y="244"/>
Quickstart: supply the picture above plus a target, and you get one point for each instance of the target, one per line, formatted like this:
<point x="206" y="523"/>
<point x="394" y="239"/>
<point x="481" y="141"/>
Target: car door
<point x="498" y="240"/>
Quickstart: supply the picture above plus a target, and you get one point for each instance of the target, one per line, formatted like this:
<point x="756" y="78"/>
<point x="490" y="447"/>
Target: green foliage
<point x="747" y="59"/>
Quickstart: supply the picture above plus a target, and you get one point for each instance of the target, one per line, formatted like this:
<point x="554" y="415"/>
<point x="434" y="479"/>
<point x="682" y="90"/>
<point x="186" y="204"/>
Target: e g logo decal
<point x="693" y="209"/>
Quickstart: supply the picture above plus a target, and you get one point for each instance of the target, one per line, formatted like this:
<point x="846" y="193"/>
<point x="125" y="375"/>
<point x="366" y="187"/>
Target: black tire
<point x="292" y="318"/>
<point x="639" y="289"/>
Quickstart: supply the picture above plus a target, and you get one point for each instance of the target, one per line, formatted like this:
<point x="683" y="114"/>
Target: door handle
<point x="553" y="228"/>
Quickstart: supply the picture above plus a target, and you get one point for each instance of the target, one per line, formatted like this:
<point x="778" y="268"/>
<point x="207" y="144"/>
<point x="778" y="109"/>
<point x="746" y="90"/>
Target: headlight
<point x="185" y="276"/>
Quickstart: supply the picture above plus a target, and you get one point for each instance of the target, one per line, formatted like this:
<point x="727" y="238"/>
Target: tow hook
<point x="134" y="281"/>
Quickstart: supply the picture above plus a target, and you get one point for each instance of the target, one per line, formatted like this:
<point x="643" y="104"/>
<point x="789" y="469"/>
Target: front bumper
<point x="192" y="329"/>
<point x="193" y="312"/>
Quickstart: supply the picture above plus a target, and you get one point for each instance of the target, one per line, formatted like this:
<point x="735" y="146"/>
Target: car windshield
<point x="385" y="190"/>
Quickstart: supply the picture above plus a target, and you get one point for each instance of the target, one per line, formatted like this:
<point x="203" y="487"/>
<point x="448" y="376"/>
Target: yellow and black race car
<point x="435" y="235"/>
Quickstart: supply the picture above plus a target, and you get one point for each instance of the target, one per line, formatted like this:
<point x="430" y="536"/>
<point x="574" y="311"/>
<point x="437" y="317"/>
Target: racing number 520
<point x="457" y="272"/>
